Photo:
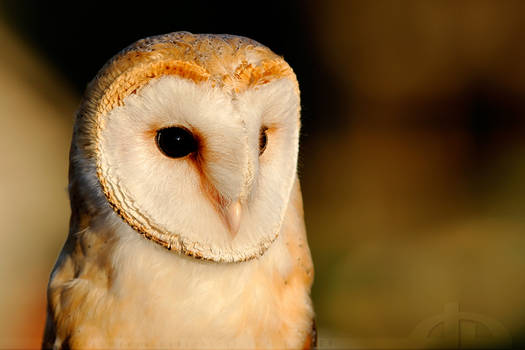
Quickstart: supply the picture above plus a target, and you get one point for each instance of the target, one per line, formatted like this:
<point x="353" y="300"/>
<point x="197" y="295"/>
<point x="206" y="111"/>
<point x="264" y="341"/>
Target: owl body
<point x="187" y="225"/>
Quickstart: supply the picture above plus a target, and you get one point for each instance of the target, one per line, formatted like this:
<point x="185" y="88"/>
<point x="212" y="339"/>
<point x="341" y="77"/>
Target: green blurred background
<point x="412" y="157"/>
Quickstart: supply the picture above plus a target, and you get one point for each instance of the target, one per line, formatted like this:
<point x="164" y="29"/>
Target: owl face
<point x="203" y="167"/>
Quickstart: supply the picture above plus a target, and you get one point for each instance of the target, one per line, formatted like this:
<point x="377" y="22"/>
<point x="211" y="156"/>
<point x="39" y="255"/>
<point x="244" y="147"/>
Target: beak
<point x="233" y="217"/>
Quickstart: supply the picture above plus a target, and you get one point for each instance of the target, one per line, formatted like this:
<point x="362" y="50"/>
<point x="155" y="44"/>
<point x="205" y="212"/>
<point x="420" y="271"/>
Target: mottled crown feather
<point x="229" y="62"/>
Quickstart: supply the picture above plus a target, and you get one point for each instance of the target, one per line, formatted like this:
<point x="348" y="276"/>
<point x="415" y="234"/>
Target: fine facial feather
<point x="112" y="288"/>
<point x="228" y="128"/>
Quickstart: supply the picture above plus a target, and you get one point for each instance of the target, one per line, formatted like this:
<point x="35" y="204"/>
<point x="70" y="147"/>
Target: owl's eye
<point x="263" y="140"/>
<point x="176" y="142"/>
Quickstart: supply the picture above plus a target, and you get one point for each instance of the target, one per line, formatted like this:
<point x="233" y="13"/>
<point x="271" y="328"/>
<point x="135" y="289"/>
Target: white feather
<point x="165" y="195"/>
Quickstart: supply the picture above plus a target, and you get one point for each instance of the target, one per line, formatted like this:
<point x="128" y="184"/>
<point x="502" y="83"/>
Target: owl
<point x="187" y="226"/>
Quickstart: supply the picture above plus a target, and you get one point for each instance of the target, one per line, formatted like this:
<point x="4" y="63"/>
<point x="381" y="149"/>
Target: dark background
<point x="412" y="154"/>
<point x="80" y="39"/>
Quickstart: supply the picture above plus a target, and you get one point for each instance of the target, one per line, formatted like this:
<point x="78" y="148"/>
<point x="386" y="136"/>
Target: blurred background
<point x="412" y="156"/>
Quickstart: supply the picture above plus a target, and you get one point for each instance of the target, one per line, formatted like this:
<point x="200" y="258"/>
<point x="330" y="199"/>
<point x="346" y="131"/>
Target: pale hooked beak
<point x="233" y="217"/>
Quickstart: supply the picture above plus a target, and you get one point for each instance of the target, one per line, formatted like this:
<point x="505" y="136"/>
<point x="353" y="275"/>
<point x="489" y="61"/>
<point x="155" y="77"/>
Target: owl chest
<point x="194" y="305"/>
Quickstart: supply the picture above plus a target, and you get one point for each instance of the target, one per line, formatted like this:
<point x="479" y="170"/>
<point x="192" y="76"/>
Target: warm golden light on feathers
<point x="231" y="64"/>
<point x="222" y="200"/>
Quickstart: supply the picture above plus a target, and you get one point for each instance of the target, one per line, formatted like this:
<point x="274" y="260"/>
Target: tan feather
<point x="111" y="288"/>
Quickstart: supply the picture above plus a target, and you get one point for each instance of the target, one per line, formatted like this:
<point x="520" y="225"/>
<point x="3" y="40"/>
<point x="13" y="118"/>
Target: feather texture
<point x="110" y="287"/>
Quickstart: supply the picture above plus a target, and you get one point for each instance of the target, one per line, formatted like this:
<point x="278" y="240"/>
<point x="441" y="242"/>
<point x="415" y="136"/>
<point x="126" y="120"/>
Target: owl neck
<point x="135" y="286"/>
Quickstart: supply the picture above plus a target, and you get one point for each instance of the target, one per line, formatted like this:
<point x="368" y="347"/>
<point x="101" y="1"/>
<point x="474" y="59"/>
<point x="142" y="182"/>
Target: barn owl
<point x="187" y="226"/>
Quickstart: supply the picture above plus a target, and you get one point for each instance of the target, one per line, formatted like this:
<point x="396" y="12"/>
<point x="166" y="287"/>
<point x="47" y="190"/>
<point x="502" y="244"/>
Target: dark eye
<point x="263" y="140"/>
<point x="176" y="142"/>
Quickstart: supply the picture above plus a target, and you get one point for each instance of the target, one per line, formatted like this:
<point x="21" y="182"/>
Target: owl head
<point x="192" y="140"/>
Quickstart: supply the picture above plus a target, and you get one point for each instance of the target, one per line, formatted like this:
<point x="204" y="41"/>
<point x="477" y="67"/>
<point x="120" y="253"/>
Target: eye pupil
<point x="176" y="142"/>
<point x="263" y="140"/>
